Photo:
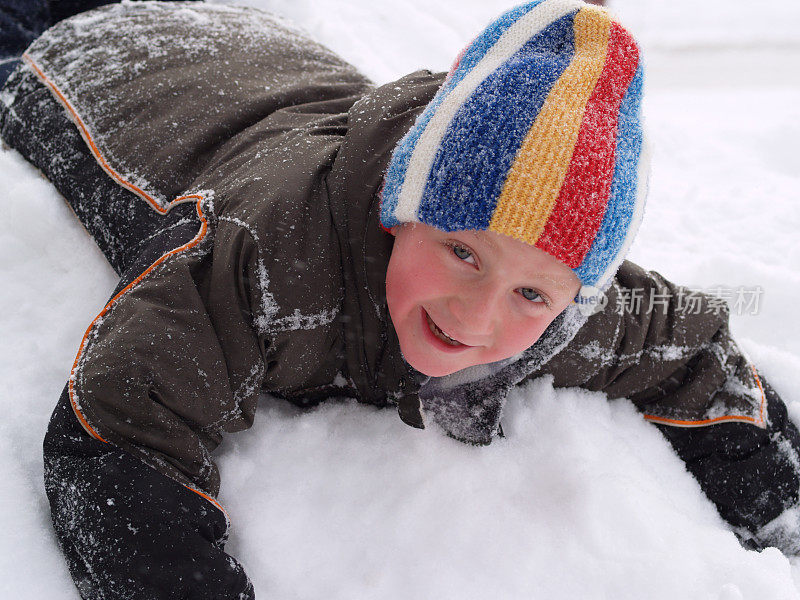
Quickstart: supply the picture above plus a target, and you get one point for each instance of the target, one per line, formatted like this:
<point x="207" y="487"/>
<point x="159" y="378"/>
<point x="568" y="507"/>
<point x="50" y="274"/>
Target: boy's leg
<point x="21" y="22"/>
<point x="121" y="223"/>
<point x="61" y="9"/>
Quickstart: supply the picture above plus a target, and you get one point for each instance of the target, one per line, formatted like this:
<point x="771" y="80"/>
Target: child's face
<point x="493" y="296"/>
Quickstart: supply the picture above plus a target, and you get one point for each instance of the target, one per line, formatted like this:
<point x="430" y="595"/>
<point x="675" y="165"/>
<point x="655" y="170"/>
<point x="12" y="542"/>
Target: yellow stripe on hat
<point x="541" y="164"/>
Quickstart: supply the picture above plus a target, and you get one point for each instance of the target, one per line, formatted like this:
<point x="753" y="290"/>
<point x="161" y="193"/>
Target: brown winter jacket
<point x="282" y="147"/>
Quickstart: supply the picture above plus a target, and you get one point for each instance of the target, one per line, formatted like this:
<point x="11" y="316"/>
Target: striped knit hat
<point x="534" y="134"/>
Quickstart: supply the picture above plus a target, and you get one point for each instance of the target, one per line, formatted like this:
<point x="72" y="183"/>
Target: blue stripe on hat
<point x="464" y="198"/>
<point x="624" y="188"/>
<point x="481" y="45"/>
<point x="395" y="175"/>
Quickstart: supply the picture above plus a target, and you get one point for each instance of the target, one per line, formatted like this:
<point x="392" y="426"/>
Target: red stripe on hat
<point x="582" y="200"/>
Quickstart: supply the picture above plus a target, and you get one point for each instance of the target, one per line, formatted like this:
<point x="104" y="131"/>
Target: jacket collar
<point x="375" y="124"/>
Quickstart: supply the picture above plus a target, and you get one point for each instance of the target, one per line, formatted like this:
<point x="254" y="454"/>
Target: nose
<point x="477" y="307"/>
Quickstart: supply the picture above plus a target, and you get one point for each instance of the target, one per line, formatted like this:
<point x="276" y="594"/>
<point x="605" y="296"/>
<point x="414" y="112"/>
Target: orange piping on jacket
<point x="760" y="422"/>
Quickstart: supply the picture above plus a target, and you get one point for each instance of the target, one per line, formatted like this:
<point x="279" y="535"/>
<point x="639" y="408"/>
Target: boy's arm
<point x="172" y="363"/>
<point x="174" y="360"/>
<point x="670" y="351"/>
<point x="752" y="475"/>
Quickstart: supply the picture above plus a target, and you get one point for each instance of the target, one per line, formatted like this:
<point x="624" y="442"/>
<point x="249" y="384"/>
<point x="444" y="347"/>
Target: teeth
<point x="445" y="335"/>
<point x="441" y="334"/>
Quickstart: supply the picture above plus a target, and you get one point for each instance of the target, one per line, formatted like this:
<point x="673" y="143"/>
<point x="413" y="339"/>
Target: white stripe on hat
<point x="514" y="38"/>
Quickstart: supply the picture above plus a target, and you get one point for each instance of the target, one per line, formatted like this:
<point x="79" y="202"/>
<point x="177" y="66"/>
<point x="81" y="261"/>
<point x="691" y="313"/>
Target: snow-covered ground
<point x="583" y="499"/>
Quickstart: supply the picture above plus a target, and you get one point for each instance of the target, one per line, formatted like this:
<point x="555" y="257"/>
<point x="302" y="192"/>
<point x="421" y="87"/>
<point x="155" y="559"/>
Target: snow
<point x="582" y="499"/>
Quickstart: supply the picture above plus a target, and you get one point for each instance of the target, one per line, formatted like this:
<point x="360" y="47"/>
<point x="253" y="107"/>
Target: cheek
<point x="405" y="294"/>
<point x="523" y="333"/>
<point x="410" y="283"/>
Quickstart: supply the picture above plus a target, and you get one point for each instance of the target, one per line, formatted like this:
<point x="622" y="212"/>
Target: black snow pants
<point x="22" y="21"/>
<point x="126" y="530"/>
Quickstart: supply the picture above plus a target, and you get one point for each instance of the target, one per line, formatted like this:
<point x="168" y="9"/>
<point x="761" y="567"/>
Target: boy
<point x="234" y="174"/>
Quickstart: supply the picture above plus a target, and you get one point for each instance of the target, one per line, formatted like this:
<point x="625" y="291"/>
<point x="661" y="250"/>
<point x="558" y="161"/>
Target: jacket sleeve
<point x="670" y="351"/>
<point x="171" y="363"/>
<point x="666" y="348"/>
<point x="174" y="360"/>
<point x="752" y="475"/>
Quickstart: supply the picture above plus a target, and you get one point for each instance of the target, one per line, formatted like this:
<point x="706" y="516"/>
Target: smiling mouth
<point x="441" y="334"/>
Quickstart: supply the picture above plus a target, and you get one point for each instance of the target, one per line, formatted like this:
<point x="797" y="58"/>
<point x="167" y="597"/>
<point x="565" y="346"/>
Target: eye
<point x="463" y="254"/>
<point x="533" y="296"/>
